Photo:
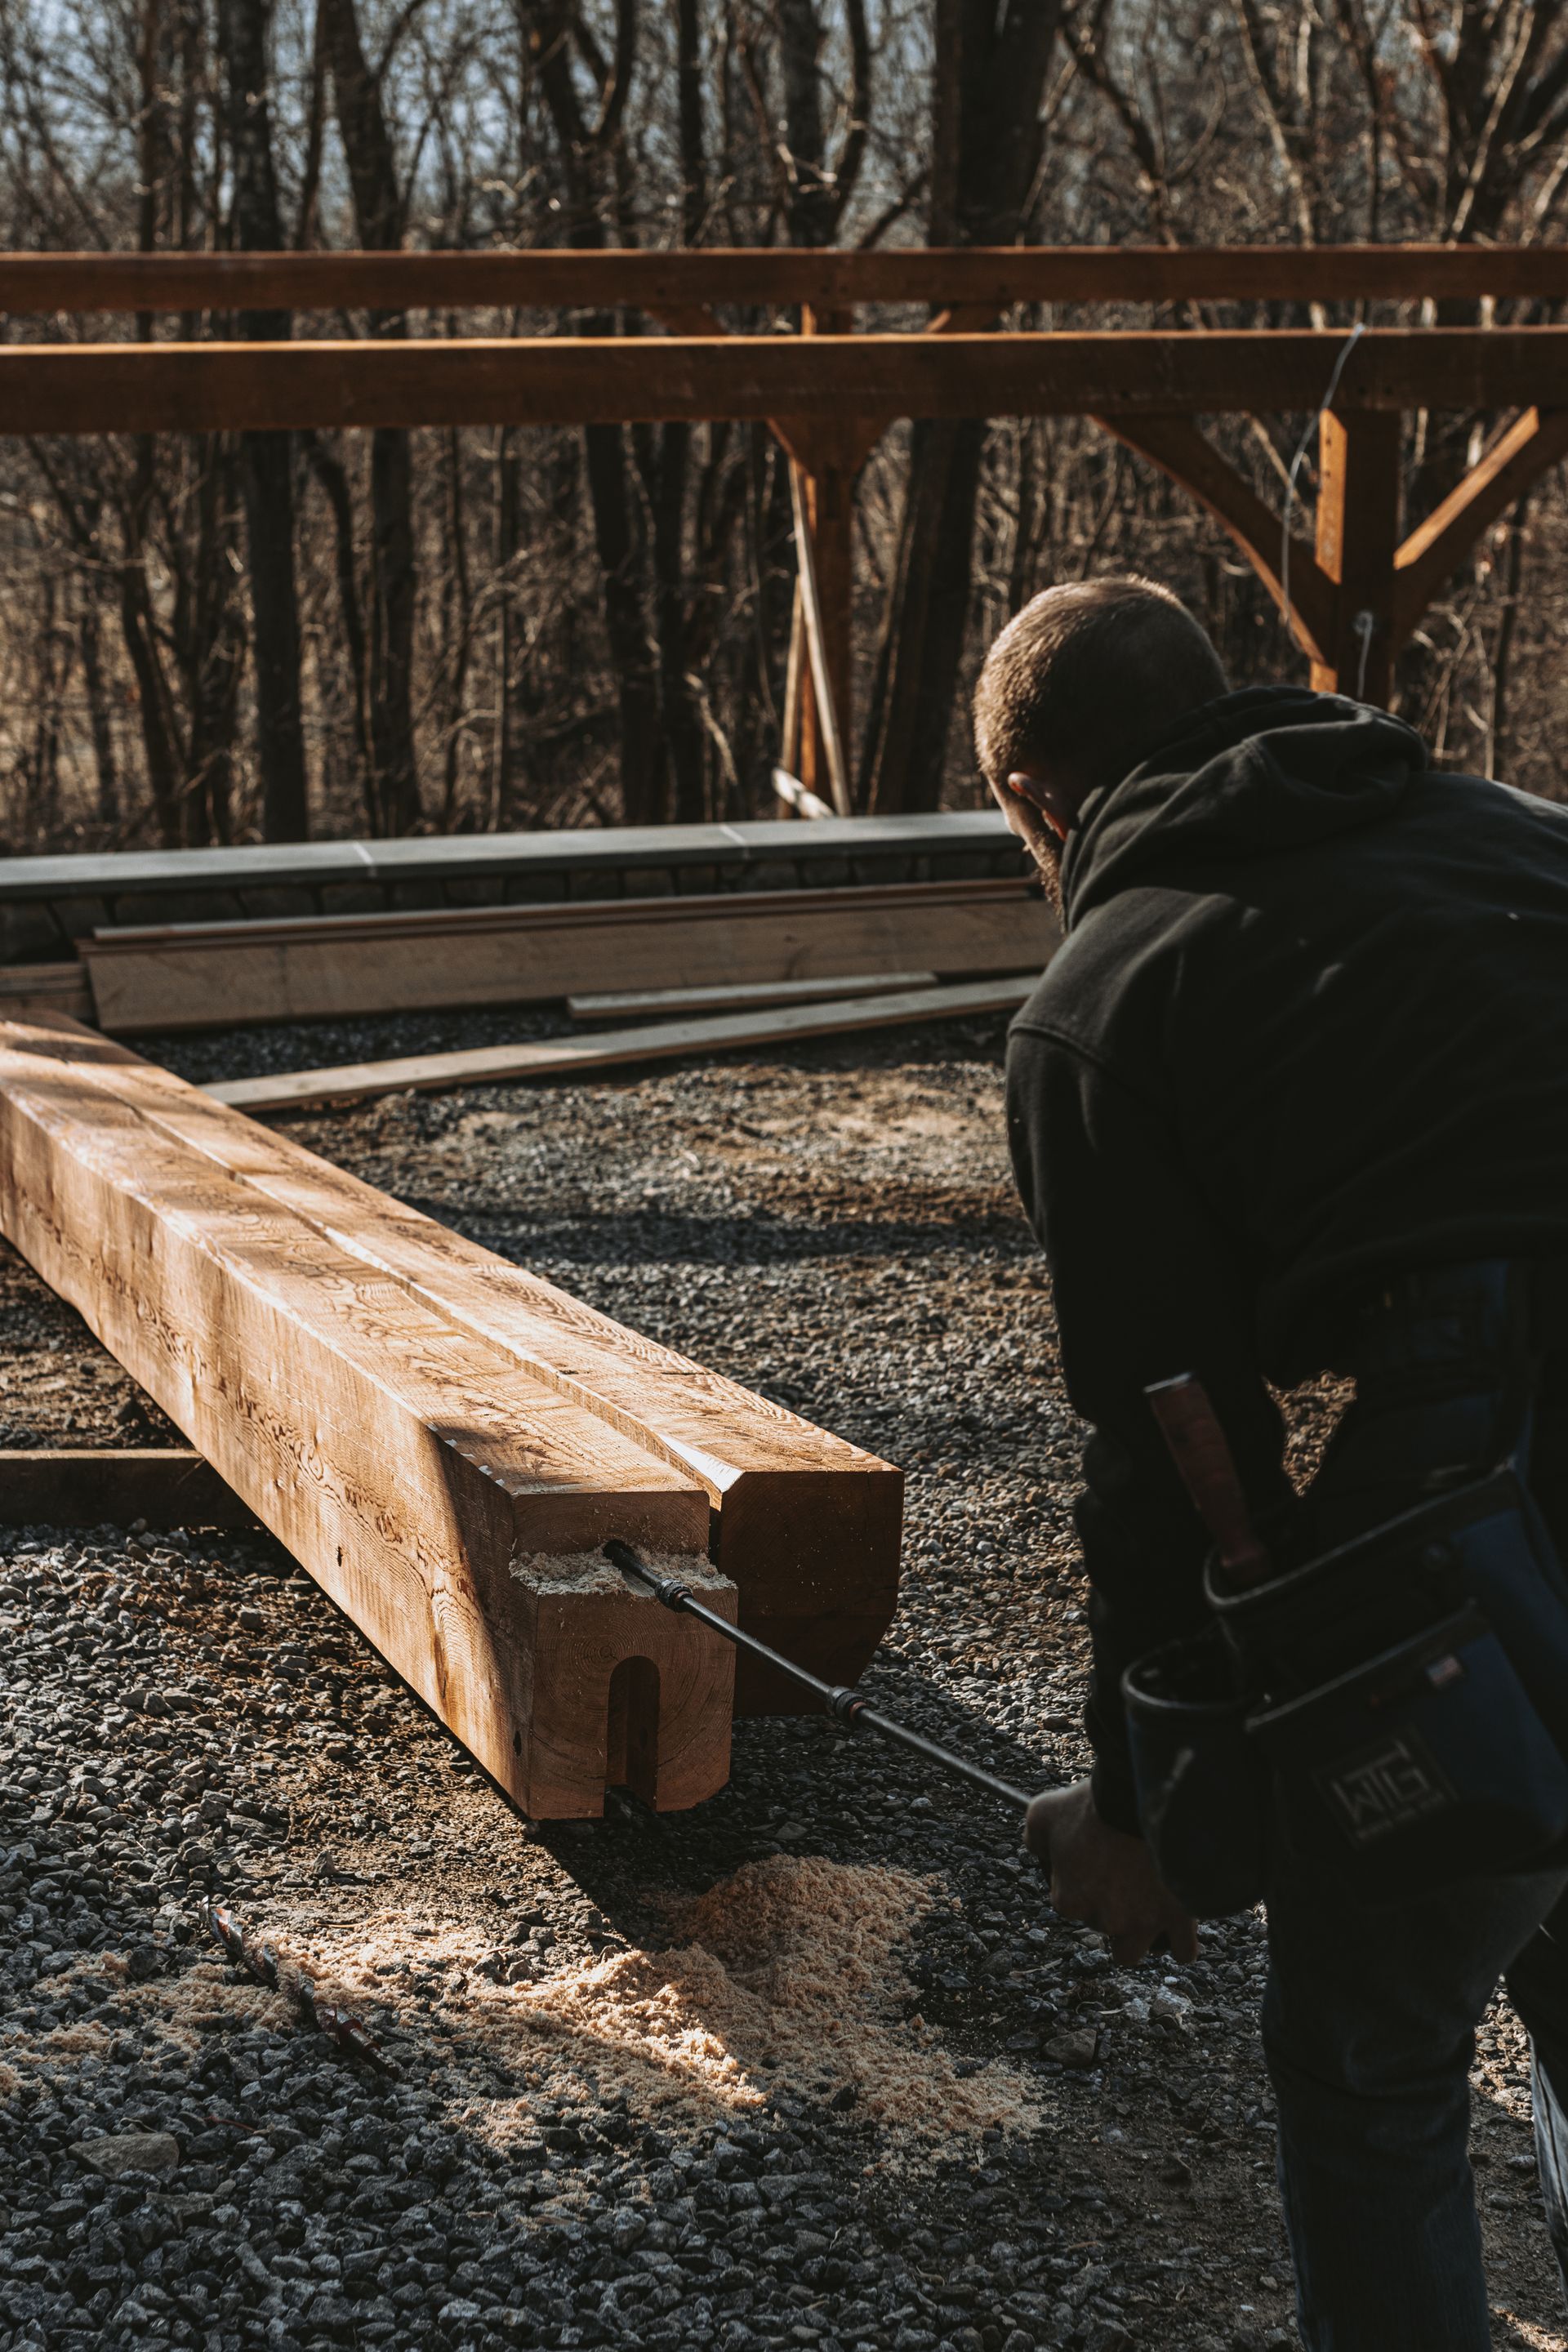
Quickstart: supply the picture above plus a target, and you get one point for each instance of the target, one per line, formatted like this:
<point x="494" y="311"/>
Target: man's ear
<point x="1056" y="802"/>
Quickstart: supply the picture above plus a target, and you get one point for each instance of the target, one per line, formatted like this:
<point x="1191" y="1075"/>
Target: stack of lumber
<point x="201" y="976"/>
<point x="443" y="1440"/>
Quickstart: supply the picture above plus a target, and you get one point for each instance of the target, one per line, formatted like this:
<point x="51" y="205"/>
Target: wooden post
<point x="1358" y="539"/>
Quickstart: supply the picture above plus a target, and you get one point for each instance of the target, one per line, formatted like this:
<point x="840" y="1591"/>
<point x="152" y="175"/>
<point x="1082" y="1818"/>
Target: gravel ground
<point x="867" y="2091"/>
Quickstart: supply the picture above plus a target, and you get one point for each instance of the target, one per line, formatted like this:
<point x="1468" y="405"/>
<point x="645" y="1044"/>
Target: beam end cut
<point x="633" y="1698"/>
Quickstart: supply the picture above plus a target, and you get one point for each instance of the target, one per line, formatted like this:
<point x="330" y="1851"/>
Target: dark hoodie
<point x="1309" y="1026"/>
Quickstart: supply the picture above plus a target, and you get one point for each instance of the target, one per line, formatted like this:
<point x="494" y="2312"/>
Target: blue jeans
<point x="1368" y="2028"/>
<point x="1370" y="2015"/>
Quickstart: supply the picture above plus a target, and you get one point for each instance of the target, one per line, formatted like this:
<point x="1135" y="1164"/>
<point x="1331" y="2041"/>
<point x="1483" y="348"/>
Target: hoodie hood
<point x="1269" y="768"/>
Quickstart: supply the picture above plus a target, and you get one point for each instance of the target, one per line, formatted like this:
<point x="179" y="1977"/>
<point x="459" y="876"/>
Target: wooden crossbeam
<point x="803" y="1524"/>
<point x="562" y="379"/>
<point x="183" y="976"/>
<point x="992" y="278"/>
<point x="451" y="1501"/>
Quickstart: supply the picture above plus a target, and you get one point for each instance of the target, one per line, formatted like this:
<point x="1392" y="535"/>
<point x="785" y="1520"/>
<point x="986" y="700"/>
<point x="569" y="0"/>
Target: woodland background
<point x="240" y="637"/>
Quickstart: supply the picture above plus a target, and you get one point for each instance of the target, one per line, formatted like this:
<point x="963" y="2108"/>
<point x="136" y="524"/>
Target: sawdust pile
<point x="791" y="1974"/>
<point x="167" y="2015"/>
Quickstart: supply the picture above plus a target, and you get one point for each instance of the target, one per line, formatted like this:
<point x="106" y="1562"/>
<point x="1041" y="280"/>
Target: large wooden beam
<point x="805" y="1525"/>
<point x="672" y="285"/>
<point x="199" y="975"/>
<point x="451" y="1501"/>
<point x="565" y="380"/>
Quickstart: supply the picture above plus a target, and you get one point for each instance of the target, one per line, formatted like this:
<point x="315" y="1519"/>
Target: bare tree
<point x="267" y="459"/>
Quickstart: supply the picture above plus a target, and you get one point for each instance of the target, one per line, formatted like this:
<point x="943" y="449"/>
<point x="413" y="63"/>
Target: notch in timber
<point x="613" y="1692"/>
<point x="631" y="1747"/>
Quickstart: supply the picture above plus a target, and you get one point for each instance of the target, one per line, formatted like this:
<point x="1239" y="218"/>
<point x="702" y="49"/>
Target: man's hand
<point x="1104" y="1876"/>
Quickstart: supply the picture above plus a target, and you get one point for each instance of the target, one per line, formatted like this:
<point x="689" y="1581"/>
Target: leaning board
<point x="189" y="976"/>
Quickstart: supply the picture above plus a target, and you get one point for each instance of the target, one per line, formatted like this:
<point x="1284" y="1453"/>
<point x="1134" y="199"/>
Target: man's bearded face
<point x="1044" y="844"/>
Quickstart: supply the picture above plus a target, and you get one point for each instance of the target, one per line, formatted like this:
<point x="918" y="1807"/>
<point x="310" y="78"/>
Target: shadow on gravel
<point x="655" y="1233"/>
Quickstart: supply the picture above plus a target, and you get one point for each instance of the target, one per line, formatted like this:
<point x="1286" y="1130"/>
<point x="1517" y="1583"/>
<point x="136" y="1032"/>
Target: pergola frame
<point x="1351" y="600"/>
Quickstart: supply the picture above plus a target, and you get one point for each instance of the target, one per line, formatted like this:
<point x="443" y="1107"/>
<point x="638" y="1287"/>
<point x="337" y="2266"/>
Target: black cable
<point x="845" y="1705"/>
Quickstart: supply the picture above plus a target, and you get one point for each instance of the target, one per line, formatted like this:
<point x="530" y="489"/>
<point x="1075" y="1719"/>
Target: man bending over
<point x="1294" y="1097"/>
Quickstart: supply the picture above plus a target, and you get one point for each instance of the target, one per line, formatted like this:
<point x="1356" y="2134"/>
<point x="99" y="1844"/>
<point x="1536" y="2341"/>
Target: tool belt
<point x="1394" y="1702"/>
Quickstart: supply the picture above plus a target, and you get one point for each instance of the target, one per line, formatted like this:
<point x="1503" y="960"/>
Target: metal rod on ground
<point x="845" y="1705"/>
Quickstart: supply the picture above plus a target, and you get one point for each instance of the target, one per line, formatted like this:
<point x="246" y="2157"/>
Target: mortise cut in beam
<point x="417" y="1469"/>
<point x="805" y="1525"/>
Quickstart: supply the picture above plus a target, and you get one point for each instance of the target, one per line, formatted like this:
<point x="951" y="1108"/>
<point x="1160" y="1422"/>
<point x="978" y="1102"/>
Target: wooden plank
<point x="435" y="862"/>
<point x="82" y="1486"/>
<point x="29" y="988"/>
<point x="805" y="1525"/>
<point x="428" y="1480"/>
<point x="568" y="1056"/>
<point x="577" y="380"/>
<point x="647" y="1002"/>
<point x="991" y="278"/>
<point x="196" y="977"/>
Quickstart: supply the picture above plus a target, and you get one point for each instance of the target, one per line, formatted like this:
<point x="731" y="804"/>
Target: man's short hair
<point x="1091" y="673"/>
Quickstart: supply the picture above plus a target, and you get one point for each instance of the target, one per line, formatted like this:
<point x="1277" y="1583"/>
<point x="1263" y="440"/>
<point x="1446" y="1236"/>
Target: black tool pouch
<point x="1201" y="1783"/>
<point x="1417" y="1718"/>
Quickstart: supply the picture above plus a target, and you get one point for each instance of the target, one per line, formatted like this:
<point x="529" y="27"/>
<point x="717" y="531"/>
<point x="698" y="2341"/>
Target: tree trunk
<point x="329" y="472"/>
<point x="682" y="730"/>
<point x="267" y="459"/>
<point x="99" y="723"/>
<point x="988" y="80"/>
<point x="637" y="691"/>
<point x="158" y="745"/>
<point x="616" y="536"/>
<point x="378" y="223"/>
